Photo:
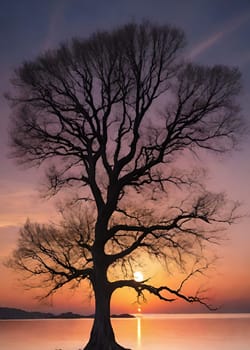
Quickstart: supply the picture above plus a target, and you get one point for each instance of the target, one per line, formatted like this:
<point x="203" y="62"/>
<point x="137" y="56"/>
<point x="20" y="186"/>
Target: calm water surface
<point x="145" y="332"/>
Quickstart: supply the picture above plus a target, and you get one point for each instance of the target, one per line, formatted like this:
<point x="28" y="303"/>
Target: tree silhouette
<point x="110" y="116"/>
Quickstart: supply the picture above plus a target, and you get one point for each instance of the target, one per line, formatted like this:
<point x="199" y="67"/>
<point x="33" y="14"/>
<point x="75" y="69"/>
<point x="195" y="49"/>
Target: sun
<point x="138" y="276"/>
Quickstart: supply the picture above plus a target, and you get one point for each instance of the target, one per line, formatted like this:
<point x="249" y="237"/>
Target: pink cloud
<point x="214" y="38"/>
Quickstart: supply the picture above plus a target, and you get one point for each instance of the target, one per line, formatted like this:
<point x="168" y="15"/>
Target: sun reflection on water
<point x="139" y="331"/>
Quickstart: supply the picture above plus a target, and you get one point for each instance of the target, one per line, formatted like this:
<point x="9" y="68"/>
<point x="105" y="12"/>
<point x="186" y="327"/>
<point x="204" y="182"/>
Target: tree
<point x="110" y="116"/>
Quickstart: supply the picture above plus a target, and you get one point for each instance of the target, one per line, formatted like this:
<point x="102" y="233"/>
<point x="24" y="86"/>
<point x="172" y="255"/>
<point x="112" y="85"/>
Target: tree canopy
<point x="110" y="116"/>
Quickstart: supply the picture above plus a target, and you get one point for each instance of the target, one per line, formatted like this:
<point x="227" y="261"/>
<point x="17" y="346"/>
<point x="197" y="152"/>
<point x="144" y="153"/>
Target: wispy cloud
<point x="215" y="38"/>
<point x="17" y="204"/>
<point x="54" y="25"/>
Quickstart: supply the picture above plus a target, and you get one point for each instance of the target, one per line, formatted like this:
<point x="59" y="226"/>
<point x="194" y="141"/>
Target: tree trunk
<point x="102" y="335"/>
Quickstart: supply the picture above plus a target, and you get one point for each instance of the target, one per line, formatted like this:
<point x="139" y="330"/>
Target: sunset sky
<point x="218" y="32"/>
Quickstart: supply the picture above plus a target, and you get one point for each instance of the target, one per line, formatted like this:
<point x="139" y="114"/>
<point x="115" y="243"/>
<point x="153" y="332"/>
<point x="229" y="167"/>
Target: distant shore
<point x="7" y="313"/>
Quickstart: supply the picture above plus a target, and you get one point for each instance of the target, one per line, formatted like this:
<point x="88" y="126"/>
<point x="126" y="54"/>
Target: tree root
<point x="111" y="346"/>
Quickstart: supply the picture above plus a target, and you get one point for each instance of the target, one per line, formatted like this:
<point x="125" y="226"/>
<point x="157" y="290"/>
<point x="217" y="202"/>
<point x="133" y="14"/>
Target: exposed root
<point x="92" y="345"/>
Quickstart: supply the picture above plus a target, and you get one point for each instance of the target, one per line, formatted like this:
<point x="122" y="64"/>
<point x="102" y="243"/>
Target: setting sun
<point x="138" y="276"/>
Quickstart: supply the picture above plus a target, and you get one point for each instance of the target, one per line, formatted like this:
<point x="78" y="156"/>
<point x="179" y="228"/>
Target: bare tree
<point x="110" y="115"/>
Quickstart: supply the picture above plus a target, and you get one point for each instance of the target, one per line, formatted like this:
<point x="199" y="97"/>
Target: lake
<point x="147" y="332"/>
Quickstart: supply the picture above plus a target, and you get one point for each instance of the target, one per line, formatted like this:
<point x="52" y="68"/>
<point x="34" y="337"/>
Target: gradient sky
<point x="217" y="33"/>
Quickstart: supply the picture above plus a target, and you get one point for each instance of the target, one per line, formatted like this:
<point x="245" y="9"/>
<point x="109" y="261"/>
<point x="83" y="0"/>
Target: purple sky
<point x="217" y="31"/>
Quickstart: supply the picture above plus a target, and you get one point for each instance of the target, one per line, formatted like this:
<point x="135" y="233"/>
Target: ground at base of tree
<point x="113" y="346"/>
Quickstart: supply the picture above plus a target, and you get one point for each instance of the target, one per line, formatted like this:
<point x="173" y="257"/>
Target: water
<point x="145" y="332"/>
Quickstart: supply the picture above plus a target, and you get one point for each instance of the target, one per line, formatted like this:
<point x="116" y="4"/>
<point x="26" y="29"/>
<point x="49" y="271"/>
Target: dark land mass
<point x="7" y="313"/>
